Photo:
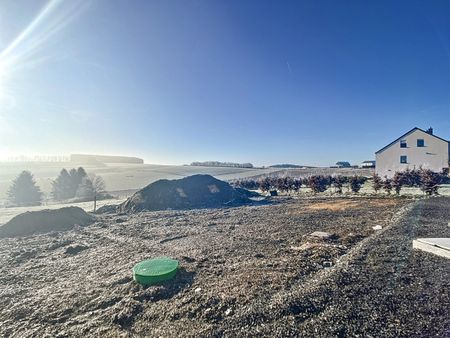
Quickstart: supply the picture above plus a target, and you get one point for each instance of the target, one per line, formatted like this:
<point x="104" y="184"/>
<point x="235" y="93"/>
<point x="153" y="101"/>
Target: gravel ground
<point x="247" y="271"/>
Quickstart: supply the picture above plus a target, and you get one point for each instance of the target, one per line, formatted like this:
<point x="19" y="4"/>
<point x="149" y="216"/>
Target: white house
<point x="367" y="164"/>
<point x="417" y="148"/>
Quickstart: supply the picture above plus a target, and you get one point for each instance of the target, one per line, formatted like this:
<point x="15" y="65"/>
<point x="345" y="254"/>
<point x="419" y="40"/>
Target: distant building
<point x="343" y="164"/>
<point x="367" y="164"/>
<point x="86" y="159"/>
<point x="415" y="149"/>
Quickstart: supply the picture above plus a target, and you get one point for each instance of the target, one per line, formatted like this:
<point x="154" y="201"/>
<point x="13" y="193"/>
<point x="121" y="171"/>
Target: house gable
<point x="406" y="134"/>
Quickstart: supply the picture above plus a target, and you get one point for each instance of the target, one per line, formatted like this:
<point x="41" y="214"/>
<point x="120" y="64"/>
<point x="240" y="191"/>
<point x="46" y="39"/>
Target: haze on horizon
<point x="242" y="81"/>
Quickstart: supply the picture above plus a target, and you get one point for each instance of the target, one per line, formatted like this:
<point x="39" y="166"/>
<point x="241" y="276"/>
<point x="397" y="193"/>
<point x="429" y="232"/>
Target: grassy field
<point x="121" y="179"/>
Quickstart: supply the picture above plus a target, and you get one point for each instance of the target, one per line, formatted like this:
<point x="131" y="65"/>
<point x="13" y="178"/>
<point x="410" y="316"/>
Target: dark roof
<point x="409" y="132"/>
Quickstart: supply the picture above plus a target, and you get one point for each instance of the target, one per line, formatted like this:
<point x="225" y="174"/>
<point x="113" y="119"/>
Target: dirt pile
<point x="197" y="191"/>
<point x="43" y="221"/>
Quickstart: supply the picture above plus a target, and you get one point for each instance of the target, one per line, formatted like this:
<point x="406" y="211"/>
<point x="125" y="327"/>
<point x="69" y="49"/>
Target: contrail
<point x="289" y="67"/>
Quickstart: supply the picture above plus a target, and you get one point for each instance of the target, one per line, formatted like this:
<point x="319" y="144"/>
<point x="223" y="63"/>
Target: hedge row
<point x="426" y="180"/>
<point x="317" y="183"/>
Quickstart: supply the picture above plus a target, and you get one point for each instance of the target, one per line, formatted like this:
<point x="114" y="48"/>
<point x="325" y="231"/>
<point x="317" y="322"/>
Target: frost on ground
<point x="246" y="271"/>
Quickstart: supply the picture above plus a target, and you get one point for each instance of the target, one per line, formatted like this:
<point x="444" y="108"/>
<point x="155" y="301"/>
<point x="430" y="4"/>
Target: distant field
<point x="300" y="172"/>
<point x="7" y="213"/>
<point x="121" y="179"/>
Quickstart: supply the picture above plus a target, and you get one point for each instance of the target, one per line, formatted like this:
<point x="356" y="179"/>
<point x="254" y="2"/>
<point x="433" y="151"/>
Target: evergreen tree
<point x="81" y="174"/>
<point x="86" y="189"/>
<point x="62" y="187"/>
<point x="24" y="191"/>
<point x="76" y="179"/>
<point x="74" y="182"/>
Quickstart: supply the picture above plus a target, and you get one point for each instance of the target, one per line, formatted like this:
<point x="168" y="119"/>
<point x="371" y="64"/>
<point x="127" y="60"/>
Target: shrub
<point x="356" y="182"/>
<point x="387" y="185"/>
<point x="429" y="181"/>
<point x="337" y="182"/>
<point x="317" y="183"/>
<point x="265" y="184"/>
<point x="377" y="183"/>
<point x="397" y="182"/>
<point x="297" y="184"/>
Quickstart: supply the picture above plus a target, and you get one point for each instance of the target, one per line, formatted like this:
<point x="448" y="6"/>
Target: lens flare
<point x="28" y="48"/>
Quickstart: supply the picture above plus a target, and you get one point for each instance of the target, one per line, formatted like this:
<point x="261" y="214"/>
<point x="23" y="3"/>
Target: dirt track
<point x="248" y="271"/>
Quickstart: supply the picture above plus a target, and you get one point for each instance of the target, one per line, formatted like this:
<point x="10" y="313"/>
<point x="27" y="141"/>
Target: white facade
<point x="417" y="148"/>
<point x="367" y="164"/>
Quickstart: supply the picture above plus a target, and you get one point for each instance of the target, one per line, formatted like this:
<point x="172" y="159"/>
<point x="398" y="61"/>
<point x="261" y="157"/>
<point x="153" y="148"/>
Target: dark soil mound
<point x="33" y="222"/>
<point x="197" y="191"/>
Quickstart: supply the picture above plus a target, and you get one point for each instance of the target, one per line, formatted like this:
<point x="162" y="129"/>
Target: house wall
<point x="434" y="156"/>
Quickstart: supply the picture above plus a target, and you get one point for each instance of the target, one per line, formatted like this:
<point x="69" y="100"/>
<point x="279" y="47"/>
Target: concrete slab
<point x="437" y="246"/>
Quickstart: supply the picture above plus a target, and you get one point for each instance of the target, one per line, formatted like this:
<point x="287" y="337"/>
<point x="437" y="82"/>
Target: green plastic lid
<point x="154" y="271"/>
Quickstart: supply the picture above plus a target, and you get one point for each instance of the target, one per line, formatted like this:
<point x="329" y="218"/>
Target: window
<point x="420" y="142"/>
<point x="403" y="144"/>
<point x="403" y="159"/>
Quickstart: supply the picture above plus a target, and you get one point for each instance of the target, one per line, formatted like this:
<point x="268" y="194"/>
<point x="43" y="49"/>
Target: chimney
<point x="430" y="131"/>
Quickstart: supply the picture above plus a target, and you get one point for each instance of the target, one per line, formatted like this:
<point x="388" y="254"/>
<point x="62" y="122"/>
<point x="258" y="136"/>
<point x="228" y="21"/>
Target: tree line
<point x="427" y="180"/>
<point x="72" y="184"/>
<point x="222" y="164"/>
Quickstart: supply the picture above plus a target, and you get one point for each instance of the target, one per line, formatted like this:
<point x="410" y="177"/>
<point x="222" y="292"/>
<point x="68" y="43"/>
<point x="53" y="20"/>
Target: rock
<point x="197" y="290"/>
<point x="73" y="250"/>
<point x="321" y="235"/>
<point x="327" y="264"/>
<point x="377" y="227"/>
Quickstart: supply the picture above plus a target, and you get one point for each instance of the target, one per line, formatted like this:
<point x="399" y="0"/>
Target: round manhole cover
<point x="156" y="270"/>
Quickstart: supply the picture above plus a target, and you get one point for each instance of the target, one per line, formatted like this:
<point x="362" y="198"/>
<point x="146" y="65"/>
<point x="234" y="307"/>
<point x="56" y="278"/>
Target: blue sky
<point x="307" y="82"/>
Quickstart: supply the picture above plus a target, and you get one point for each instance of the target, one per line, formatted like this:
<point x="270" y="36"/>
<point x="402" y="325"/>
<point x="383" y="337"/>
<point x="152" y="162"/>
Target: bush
<point x="317" y="183"/>
<point x="387" y="185"/>
<point x="377" y="183"/>
<point x="338" y="182"/>
<point x="356" y="182"/>
<point x="429" y="181"/>
<point x="24" y="191"/>
<point x="265" y="184"/>
<point x="297" y="184"/>
<point x="397" y="182"/>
